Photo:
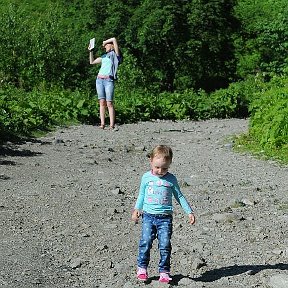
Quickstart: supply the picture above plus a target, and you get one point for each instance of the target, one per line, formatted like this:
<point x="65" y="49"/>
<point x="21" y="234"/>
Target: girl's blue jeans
<point x="156" y="226"/>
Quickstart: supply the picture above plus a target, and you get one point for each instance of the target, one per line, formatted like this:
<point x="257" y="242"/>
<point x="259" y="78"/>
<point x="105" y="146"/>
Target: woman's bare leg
<point x="111" y="113"/>
<point x="102" y="104"/>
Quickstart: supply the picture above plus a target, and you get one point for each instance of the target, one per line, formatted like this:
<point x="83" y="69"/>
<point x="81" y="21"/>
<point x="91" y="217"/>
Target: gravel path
<point x="66" y="202"/>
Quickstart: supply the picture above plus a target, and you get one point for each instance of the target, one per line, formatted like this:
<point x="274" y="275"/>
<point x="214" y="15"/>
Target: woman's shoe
<point x="113" y="128"/>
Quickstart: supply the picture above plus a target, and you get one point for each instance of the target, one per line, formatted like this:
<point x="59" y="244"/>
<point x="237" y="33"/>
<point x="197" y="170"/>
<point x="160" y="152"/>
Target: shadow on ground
<point x="13" y="150"/>
<point x="8" y="151"/>
<point x="216" y="274"/>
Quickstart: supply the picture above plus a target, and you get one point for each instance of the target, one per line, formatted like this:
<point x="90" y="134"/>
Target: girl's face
<point x="159" y="166"/>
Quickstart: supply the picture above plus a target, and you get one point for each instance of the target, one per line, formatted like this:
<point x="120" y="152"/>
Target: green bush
<point x="133" y="106"/>
<point x="269" y="118"/>
<point x="268" y="126"/>
<point x="25" y="112"/>
<point x="235" y="100"/>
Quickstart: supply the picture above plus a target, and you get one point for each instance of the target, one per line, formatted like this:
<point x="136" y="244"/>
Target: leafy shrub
<point x="24" y="112"/>
<point x="133" y="106"/>
<point x="268" y="127"/>
<point x="269" y="118"/>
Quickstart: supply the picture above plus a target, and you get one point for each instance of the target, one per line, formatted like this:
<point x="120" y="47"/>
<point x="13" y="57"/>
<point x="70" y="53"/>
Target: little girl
<point x="154" y="203"/>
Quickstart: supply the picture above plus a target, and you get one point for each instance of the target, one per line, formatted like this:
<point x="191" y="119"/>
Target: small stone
<point x="140" y="148"/>
<point x="285" y="252"/>
<point x="36" y="281"/>
<point x="198" y="247"/>
<point x="184" y="262"/>
<point x="177" y="226"/>
<point x="126" y="149"/>
<point x="251" y="272"/>
<point x="157" y="284"/>
<point x="85" y="226"/>
<point x="75" y="263"/>
<point x="84" y="235"/>
<point x="229" y="145"/>
<point x="121" y="267"/>
<point x="117" y="191"/>
<point x="184" y="183"/>
<point x="110" y="226"/>
<point x="248" y="202"/>
<point x="102" y="248"/>
<point x="277" y="251"/>
<point x="92" y="162"/>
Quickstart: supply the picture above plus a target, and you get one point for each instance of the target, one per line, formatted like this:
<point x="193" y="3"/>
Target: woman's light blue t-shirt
<point x="109" y="64"/>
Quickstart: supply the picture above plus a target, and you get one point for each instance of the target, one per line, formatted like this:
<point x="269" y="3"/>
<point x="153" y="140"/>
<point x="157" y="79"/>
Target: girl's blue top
<point x="156" y="193"/>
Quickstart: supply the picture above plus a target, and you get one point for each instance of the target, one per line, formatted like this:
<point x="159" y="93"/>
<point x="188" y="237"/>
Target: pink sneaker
<point x="142" y="274"/>
<point x="164" y="277"/>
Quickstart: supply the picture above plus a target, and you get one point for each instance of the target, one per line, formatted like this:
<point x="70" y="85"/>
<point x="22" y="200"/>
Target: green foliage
<point x="269" y="119"/>
<point x="44" y="50"/>
<point x="129" y="75"/>
<point x="181" y="45"/>
<point x="133" y="106"/>
<point x="235" y="100"/>
<point x="261" y="44"/>
<point x="24" y="112"/>
<point x="268" y="126"/>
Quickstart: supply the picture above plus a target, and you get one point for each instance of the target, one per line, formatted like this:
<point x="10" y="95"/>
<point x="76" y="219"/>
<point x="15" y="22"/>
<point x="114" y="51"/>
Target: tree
<point x="261" y="45"/>
<point x="211" y="26"/>
<point x="183" y="44"/>
<point x="47" y="46"/>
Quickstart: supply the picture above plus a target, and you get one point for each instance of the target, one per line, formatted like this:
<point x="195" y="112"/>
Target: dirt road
<point x="66" y="202"/>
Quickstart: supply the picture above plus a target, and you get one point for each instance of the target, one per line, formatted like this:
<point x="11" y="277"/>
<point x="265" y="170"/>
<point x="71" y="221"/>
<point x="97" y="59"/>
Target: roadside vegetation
<point x="182" y="60"/>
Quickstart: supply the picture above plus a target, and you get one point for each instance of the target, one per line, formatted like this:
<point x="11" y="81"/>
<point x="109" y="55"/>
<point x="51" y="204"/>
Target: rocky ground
<point x="66" y="202"/>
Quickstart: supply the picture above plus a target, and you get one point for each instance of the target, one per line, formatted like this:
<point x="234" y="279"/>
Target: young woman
<point x="106" y="77"/>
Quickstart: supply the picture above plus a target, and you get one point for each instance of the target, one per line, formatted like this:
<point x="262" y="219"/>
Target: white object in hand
<point x="92" y="43"/>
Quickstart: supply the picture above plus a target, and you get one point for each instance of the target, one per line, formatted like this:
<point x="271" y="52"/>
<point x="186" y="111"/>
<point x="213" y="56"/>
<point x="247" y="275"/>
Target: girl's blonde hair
<point x="162" y="151"/>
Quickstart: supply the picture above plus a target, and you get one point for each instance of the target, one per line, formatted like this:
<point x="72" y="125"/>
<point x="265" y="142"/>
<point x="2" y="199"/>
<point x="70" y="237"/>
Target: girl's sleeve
<point x="180" y="198"/>
<point x="140" y="199"/>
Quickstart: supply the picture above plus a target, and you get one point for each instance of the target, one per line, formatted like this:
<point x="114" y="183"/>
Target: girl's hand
<point x="191" y="218"/>
<point x="135" y="215"/>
